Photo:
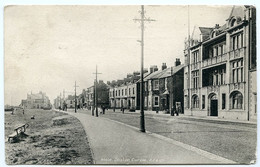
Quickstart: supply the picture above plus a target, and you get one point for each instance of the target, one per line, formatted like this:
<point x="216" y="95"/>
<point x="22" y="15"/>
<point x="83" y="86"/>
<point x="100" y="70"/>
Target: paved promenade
<point x="117" y="143"/>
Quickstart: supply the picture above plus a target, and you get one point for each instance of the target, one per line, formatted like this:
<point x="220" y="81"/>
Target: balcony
<point x="195" y="66"/>
<point x="238" y="53"/>
<point x="214" y="60"/>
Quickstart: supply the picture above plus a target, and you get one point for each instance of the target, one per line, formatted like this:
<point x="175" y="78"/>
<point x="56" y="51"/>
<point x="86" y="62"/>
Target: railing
<point x="236" y="53"/>
<point x="214" y="60"/>
<point x="195" y="66"/>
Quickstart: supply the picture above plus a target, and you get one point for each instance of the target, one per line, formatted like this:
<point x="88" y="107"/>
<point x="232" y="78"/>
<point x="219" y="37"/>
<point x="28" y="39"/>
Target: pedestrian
<point x="104" y="109"/>
<point x="178" y="110"/>
<point x="123" y="110"/>
<point x="172" y="110"/>
<point x="114" y="109"/>
<point x="23" y="111"/>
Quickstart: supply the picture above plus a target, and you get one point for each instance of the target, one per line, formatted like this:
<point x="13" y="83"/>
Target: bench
<point x="18" y="130"/>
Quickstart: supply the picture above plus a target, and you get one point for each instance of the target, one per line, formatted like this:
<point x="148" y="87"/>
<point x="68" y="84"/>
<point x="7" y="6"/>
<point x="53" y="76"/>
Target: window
<point x="118" y="92"/>
<point x="203" y="101"/>
<point x="156" y="85"/>
<point x="195" y="56"/>
<point x="223" y="101"/>
<point x="237" y="41"/>
<point x="222" y="76"/>
<point x="220" y="50"/>
<point x="145" y="101"/>
<point x="133" y="91"/>
<point x="237" y="100"/>
<point x="233" y="22"/>
<point x="195" y="79"/>
<point x="215" y="51"/>
<point x="237" y="71"/>
<point x="156" y="101"/>
<point x="125" y="91"/>
<point x="129" y="91"/>
<point x="195" y="101"/>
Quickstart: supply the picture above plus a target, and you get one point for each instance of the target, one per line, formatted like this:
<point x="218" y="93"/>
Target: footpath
<point x="117" y="143"/>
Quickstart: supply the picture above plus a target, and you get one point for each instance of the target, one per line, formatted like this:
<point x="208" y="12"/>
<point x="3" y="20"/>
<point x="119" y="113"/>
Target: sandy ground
<point x="45" y="143"/>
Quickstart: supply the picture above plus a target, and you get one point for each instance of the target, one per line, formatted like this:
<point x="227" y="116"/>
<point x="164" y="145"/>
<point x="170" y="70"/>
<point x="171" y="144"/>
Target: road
<point x="231" y="140"/>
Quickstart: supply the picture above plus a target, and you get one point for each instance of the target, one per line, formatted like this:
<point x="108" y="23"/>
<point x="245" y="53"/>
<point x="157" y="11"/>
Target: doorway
<point x="214" y="107"/>
<point x="213" y="104"/>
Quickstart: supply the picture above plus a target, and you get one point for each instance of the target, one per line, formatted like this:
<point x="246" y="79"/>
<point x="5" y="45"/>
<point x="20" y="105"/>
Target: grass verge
<point x="45" y="143"/>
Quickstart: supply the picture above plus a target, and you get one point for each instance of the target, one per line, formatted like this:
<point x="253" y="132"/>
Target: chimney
<point x="217" y="26"/>
<point x="145" y="70"/>
<point x="136" y="73"/>
<point x="177" y="62"/>
<point x="100" y="81"/>
<point x="164" y="66"/>
<point x="129" y="75"/>
<point x="153" y="68"/>
<point x="108" y="82"/>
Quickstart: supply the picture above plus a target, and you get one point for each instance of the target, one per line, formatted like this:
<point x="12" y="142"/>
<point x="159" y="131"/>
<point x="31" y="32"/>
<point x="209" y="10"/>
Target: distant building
<point x="123" y="93"/>
<point x="220" y="68"/>
<point x="90" y="97"/>
<point x="36" y="101"/>
<point x="57" y="102"/>
<point x="102" y="95"/>
<point x="70" y="101"/>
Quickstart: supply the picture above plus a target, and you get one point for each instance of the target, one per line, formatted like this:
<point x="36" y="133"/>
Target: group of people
<point x="176" y="110"/>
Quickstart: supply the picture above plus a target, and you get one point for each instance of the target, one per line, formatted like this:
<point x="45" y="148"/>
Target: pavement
<point x="207" y="118"/>
<point x="114" y="142"/>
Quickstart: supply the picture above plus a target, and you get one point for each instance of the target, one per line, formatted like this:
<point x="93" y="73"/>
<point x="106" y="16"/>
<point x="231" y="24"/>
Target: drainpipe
<point x="249" y="52"/>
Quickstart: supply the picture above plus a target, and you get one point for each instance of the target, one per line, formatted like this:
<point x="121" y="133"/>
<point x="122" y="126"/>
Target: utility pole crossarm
<point x="145" y="19"/>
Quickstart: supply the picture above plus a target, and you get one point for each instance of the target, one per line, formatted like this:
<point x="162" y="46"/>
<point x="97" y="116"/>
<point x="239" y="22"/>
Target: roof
<point x="36" y="96"/>
<point x="154" y="74"/>
<point x="171" y="71"/>
<point x="205" y="30"/>
<point x="164" y="73"/>
<point x="145" y="75"/>
<point x="237" y="11"/>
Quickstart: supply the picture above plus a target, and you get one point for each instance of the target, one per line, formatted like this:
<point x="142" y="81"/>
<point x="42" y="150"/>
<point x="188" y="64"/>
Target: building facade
<point x="36" y="101"/>
<point x="122" y="93"/>
<point x="218" y="79"/>
<point x="164" y="88"/>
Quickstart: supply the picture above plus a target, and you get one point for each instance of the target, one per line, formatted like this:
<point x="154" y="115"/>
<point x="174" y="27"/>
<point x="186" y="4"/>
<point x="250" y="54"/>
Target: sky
<point x="48" y="48"/>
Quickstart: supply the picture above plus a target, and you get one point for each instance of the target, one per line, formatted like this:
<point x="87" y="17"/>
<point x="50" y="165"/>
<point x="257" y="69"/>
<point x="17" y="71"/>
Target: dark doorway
<point x="129" y="104"/>
<point x="214" y="108"/>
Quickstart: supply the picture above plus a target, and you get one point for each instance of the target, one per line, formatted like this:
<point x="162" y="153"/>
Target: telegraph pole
<point x="75" y="96"/>
<point x="60" y="100"/>
<point x="142" y="20"/>
<point x="96" y="73"/>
